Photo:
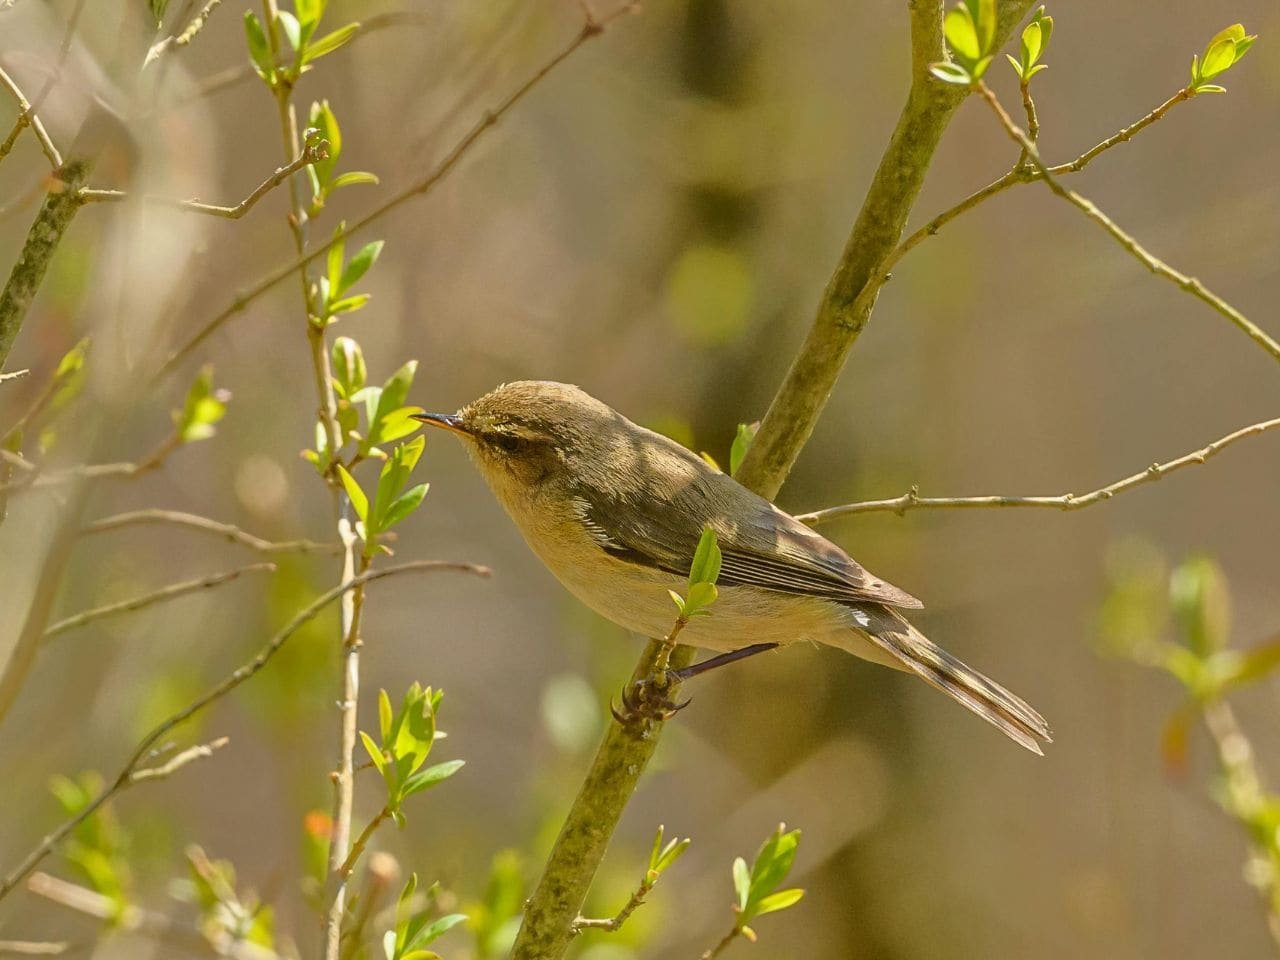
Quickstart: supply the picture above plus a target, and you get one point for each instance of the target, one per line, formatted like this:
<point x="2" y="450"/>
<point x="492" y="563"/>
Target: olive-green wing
<point x="761" y="546"/>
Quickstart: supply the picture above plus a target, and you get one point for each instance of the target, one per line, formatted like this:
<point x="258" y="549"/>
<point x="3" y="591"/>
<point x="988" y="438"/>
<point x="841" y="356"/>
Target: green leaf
<point x="706" y="559"/>
<point x="404" y="505"/>
<point x="399" y="423"/>
<point x="1199" y="598"/>
<point x="741" y="444"/>
<point x="353" y="177"/>
<point x="322" y="118"/>
<point x="349" y="304"/>
<point x="348" y="365"/>
<point x="359" y="502"/>
<point x="962" y="34"/>
<point x="436" y="929"/>
<point x="1254" y="664"/>
<point x="333" y="263"/>
<point x="384" y="715"/>
<point x="359" y="265"/>
<point x="778" y="901"/>
<point x="742" y="882"/>
<point x="1218" y="58"/>
<point x="259" y="51"/>
<point x="292" y="29"/>
<point x="1032" y="43"/>
<point x="375" y="752"/>
<point x="431" y="776"/>
<point x="985" y="19"/>
<point x="203" y="407"/>
<point x="701" y="596"/>
<point x="330" y="42"/>
<point x="773" y="862"/>
<point x="677" y="600"/>
<point x="1013" y="62"/>
<point x="951" y="73"/>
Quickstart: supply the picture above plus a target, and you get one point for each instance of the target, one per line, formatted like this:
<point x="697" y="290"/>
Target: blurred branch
<point x="33" y="948"/>
<point x="720" y="947"/>
<point x="185" y="37"/>
<point x="134" y="770"/>
<point x="627" y="748"/>
<point x="231" y="76"/>
<point x="46" y="232"/>
<point x="307" y="156"/>
<point x="136" y="920"/>
<point x="229" y="532"/>
<point x="911" y="500"/>
<point x="171" y="592"/>
<point x="1161" y="269"/>
<point x="27" y="117"/>
<point x="95" y="471"/>
<point x="15" y="375"/>
<point x="1246" y="800"/>
<point x="591" y="29"/>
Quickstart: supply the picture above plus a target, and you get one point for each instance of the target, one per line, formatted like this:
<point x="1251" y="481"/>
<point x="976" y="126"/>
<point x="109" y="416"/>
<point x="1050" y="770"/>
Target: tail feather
<point x="1012" y="715"/>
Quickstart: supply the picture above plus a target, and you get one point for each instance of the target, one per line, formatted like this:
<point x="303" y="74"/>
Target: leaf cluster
<point x="703" y="574"/>
<point x="757" y="886"/>
<point x="1221" y="54"/>
<point x="406" y="737"/>
<point x="1035" y="40"/>
<point x="202" y="408"/>
<point x="415" y="930"/>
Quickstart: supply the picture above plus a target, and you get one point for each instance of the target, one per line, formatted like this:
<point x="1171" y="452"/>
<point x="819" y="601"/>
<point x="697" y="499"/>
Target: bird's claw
<point x="647" y="700"/>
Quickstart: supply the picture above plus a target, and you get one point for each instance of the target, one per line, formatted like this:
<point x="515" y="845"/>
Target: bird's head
<point x="529" y="433"/>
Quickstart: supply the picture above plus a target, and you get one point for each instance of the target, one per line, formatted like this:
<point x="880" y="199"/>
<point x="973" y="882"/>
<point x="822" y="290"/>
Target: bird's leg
<point x="721" y="660"/>
<point x="648" y="699"/>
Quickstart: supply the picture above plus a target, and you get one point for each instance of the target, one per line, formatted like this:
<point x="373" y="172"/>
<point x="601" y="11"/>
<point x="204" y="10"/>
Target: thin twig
<point x="28" y="117"/>
<point x="308" y="156"/>
<point x="1161" y="269"/>
<point x="911" y="500"/>
<point x="64" y="49"/>
<point x="128" y="775"/>
<point x="171" y="592"/>
<point x="185" y="37"/>
<point x="231" y="76"/>
<point x="227" y="531"/>
<point x="487" y="121"/>
<point x="353" y="856"/>
<point x="720" y="947"/>
<point x="180" y="760"/>
<point x="1021" y="172"/>
<point x="614" y="923"/>
<point x="14" y="375"/>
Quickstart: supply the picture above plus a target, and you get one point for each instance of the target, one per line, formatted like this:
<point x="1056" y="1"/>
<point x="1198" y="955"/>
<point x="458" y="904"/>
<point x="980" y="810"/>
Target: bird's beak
<point x="445" y="421"/>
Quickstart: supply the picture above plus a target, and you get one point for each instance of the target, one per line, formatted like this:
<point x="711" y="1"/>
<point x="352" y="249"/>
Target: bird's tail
<point x="1016" y="718"/>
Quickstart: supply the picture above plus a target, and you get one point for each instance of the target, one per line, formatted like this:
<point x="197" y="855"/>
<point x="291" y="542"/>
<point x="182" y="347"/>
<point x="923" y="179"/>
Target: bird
<point x="616" y="512"/>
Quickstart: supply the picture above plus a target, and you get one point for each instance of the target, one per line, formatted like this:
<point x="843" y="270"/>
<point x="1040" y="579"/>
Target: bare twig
<point x="1161" y="269"/>
<point x="180" y="760"/>
<point x="64" y="49"/>
<point x="614" y="923"/>
<point x="27" y="117"/>
<point x="720" y="947"/>
<point x="171" y="592"/>
<point x="1022" y="172"/>
<point x="487" y="121"/>
<point x="15" y="375"/>
<point x="911" y="500"/>
<point x="227" y="531"/>
<point x="357" y="848"/>
<point x="185" y="37"/>
<point x="128" y="776"/>
<point x="95" y="471"/>
<point x="305" y="158"/>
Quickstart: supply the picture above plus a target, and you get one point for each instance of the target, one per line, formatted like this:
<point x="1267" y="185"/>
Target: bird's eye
<point x="508" y="443"/>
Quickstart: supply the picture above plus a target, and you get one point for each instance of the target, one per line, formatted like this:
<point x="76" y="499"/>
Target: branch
<point x="27" y="117"/>
<point x="46" y="232"/>
<point x="33" y="948"/>
<point x="95" y="471"/>
<point x="353" y="856"/>
<point x="171" y="592"/>
<point x="185" y="37"/>
<point x="614" y="923"/>
<point x="911" y="500"/>
<point x="227" y="531"/>
<point x="309" y="155"/>
<point x="720" y="947"/>
<point x="1161" y="269"/>
<point x="591" y="29"/>
<point x="136" y="920"/>
<point x="129" y="775"/>
<point x="15" y="375"/>
<point x="843" y="313"/>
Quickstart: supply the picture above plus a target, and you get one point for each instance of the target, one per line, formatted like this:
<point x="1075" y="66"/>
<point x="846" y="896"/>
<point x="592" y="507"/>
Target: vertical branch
<point x="60" y="205"/>
<point x="842" y="314"/>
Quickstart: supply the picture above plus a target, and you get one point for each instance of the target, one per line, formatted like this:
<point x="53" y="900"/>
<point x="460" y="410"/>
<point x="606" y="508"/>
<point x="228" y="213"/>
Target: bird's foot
<point x="647" y="700"/>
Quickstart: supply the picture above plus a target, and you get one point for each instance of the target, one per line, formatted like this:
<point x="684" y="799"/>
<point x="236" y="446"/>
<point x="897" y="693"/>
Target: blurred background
<point x="656" y="224"/>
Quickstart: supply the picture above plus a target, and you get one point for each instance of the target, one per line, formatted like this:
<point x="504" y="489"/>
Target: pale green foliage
<point x="663" y="855"/>
<point x="703" y="573"/>
<point x="204" y="406"/>
<point x="1035" y="40"/>
<point x="970" y="29"/>
<point x="741" y="444"/>
<point x="1220" y="55"/>
<point x="97" y="847"/>
<point x="406" y="737"/>
<point x="495" y="919"/>
<point x="414" y="930"/>
<point x="227" y="914"/>
<point x="757" y="887"/>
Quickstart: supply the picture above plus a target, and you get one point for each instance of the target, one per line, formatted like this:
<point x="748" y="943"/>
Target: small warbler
<point x="616" y="511"/>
